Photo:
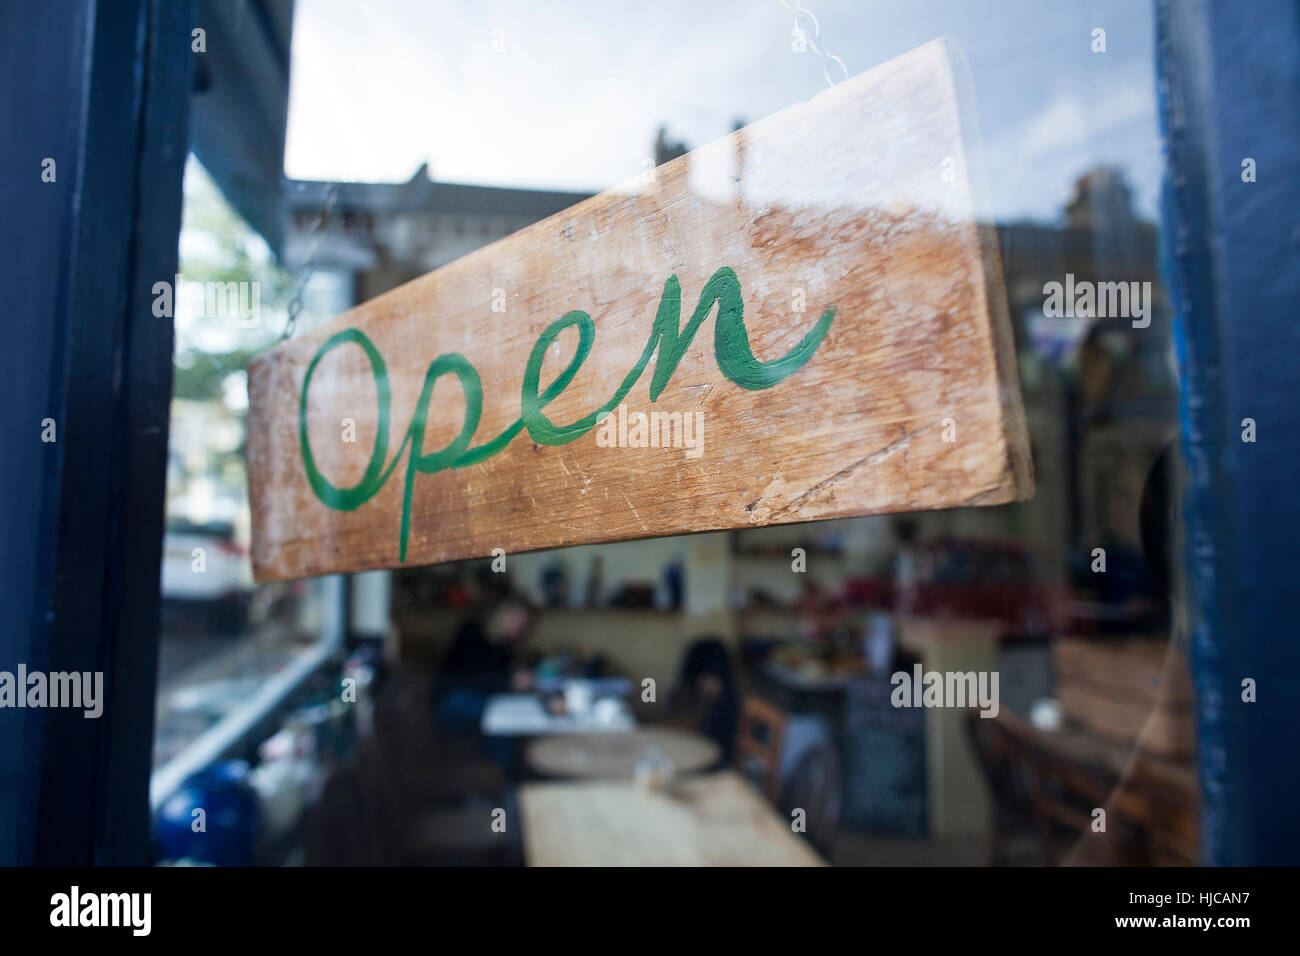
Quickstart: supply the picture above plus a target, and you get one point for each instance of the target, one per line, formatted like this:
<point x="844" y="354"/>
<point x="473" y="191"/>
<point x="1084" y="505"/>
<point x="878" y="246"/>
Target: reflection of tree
<point x="218" y="246"/>
<point x="206" y="453"/>
<point x="203" y="376"/>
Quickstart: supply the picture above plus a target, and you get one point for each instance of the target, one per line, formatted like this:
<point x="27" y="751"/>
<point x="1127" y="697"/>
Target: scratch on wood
<point x="873" y="458"/>
<point x="707" y="386"/>
<point x="633" y="507"/>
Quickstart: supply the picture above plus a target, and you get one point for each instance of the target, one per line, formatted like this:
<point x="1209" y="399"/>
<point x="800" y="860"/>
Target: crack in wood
<point x="876" y="456"/>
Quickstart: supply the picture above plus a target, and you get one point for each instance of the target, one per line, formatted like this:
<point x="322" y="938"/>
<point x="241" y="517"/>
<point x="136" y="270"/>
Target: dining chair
<point x="759" y="738"/>
<point x="815" y="785"/>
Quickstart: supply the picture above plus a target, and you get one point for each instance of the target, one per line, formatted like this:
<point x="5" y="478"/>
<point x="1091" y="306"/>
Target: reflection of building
<point x="1100" y="394"/>
<point x="381" y="235"/>
<point x="385" y="234"/>
<point x="367" y="238"/>
<point x="665" y="149"/>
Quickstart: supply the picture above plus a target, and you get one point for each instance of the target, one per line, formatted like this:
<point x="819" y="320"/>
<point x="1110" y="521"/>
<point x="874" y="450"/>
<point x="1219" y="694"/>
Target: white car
<point x="203" y="566"/>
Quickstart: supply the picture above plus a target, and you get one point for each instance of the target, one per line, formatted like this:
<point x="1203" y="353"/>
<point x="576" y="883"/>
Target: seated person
<point x="705" y="697"/>
<point x="482" y="661"/>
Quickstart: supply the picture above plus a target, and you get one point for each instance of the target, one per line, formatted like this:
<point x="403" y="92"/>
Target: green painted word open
<point x="730" y="348"/>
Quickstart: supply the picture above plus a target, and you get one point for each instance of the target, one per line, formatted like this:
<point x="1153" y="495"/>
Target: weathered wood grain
<point x="712" y="820"/>
<point x="861" y="201"/>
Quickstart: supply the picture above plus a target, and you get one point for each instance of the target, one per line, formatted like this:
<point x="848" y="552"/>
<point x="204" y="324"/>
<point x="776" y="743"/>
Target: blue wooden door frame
<point x="1229" y="75"/>
<point x="102" y="89"/>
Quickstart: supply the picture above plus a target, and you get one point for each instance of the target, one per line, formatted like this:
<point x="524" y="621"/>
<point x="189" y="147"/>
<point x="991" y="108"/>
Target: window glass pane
<point x="224" y="638"/>
<point x="760" y="664"/>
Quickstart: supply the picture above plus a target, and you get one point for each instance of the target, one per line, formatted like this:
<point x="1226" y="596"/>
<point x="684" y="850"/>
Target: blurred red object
<point x="970" y="578"/>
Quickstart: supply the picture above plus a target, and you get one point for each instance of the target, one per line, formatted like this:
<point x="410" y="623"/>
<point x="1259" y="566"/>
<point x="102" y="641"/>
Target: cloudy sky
<point x="569" y="95"/>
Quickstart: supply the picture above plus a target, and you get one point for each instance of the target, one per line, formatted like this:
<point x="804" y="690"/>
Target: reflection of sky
<point x="574" y="98"/>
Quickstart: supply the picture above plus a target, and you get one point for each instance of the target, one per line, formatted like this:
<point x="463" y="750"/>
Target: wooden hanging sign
<point x="802" y="320"/>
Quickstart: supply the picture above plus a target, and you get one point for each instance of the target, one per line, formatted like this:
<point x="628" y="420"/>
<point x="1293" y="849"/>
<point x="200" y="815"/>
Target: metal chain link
<point x="827" y="57"/>
<point x="314" y="237"/>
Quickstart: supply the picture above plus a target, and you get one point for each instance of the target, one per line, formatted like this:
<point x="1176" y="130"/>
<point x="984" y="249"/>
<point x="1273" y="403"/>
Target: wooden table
<point x="615" y="756"/>
<point x="712" y="820"/>
<point x="524" y="715"/>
